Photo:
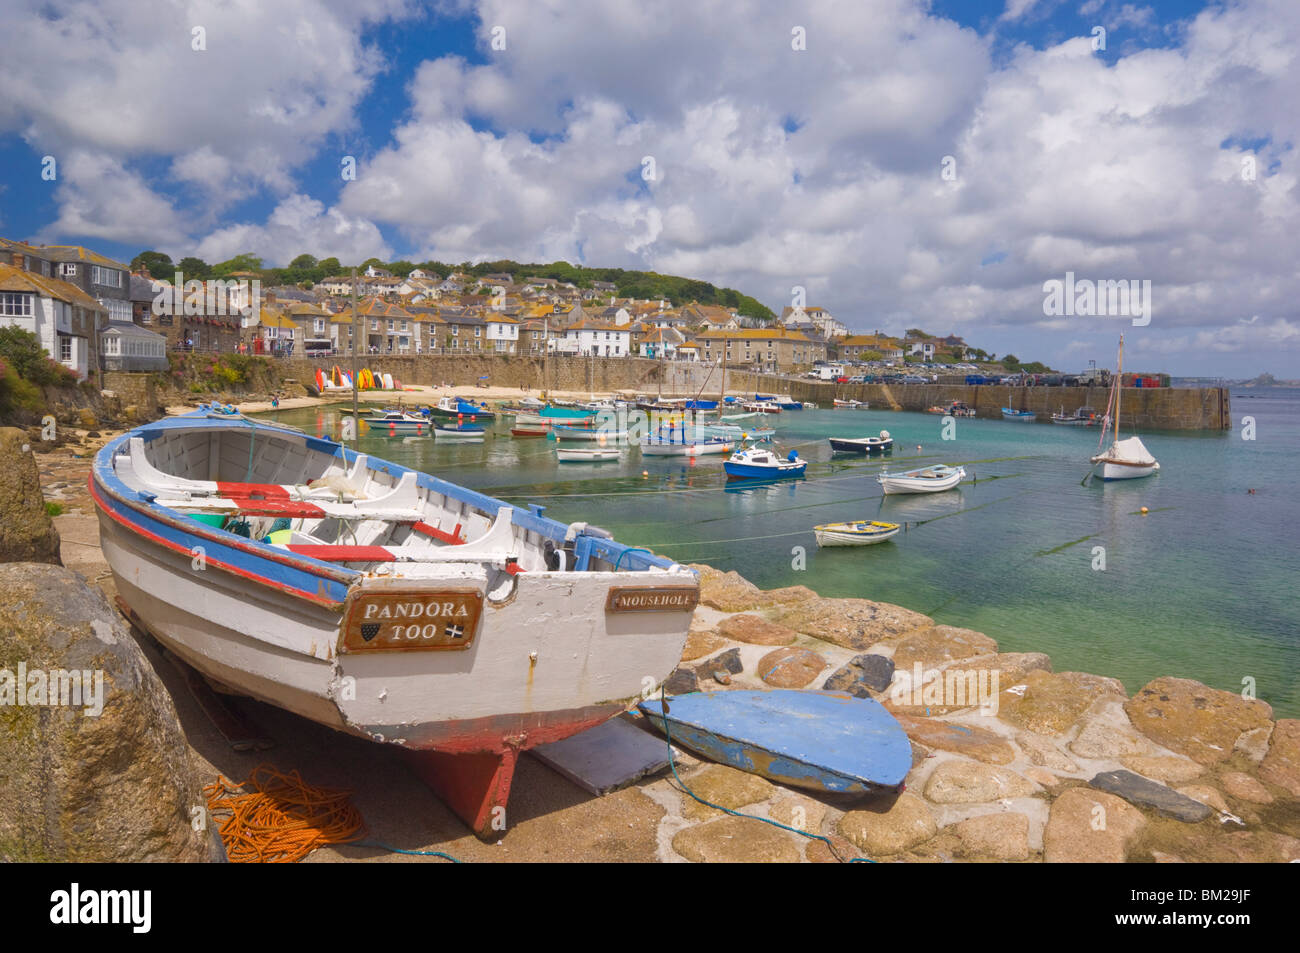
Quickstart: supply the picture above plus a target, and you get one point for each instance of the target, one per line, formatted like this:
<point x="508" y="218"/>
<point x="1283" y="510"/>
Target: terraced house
<point x="64" y="318"/>
<point x="775" y="350"/>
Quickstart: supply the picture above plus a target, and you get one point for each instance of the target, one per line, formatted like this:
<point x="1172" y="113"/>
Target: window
<point x="108" y="277"/>
<point x="478" y="332"/>
<point x="16" y="305"/>
<point x="455" y="329"/>
<point x="319" y="325"/>
<point x="68" y="269"/>
<point x="65" y="349"/>
<point x="112" y="345"/>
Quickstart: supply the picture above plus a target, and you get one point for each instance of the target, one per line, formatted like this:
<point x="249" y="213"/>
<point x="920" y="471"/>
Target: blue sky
<point x="776" y="168"/>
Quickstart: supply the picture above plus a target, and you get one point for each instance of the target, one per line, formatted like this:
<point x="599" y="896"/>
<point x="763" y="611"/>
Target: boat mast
<point x="1119" y="385"/>
<point x="356" y="422"/>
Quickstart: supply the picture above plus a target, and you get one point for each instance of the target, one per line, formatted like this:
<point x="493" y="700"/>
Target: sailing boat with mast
<point x="1124" y="459"/>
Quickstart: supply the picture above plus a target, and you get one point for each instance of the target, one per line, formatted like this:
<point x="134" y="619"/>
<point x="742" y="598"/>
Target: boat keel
<point x="475" y="785"/>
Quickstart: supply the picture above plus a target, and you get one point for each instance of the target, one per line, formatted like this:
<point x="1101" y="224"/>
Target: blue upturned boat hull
<point x="822" y="741"/>
<point x="749" y="472"/>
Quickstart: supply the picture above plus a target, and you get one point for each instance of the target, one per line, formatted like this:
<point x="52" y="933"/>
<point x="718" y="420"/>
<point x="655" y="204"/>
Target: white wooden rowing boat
<point x="585" y="454"/>
<point x="399" y="607"/>
<point x="855" y="533"/>
<point x="933" y="479"/>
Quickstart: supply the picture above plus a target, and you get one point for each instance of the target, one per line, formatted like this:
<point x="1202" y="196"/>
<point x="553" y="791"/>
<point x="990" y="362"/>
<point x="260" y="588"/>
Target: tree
<point x="22" y="351"/>
<point x="1010" y="362"/>
<point x="155" y="263"/>
<point x="245" y="262"/>
<point x="192" y="267"/>
<point x="329" y="267"/>
<point x="303" y="263"/>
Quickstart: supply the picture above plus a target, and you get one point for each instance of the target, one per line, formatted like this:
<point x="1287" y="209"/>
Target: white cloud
<point x="298" y="224"/>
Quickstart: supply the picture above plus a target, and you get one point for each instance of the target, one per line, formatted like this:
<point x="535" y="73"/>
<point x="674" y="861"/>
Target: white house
<point x="924" y="348"/>
<point x="502" y="333"/>
<point x="61" y="315"/>
<point x="592" y="337"/>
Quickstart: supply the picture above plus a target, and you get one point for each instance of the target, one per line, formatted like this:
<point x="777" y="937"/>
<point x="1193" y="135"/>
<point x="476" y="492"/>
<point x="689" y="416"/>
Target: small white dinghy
<point x="857" y="533"/>
<point x="585" y="454"/>
<point x="933" y="479"/>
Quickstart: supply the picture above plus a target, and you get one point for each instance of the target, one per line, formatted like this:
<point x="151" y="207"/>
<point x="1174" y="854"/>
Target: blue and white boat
<point x="398" y="422"/>
<point x="761" y="463"/>
<point x="455" y="407"/>
<point x="462" y="432"/>
<point x="1024" y="416"/>
<point x="380" y="601"/>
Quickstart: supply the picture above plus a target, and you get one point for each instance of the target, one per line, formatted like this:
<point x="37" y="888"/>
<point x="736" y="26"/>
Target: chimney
<point x="19" y="260"/>
<point x="270" y="299"/>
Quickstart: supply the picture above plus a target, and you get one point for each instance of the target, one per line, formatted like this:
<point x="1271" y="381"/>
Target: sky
<point x="901" y="163"/>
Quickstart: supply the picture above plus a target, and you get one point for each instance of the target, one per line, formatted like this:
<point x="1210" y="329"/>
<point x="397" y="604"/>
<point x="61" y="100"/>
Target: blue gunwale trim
<point x="143" y="503"/>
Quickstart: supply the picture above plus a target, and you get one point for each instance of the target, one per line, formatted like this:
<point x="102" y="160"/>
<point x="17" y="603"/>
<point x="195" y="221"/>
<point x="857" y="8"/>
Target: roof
<point x="590" y="325"/>
<point x="78" y="253"/>
<point x="129" y="329"/>
<point x="759" y="334"/>
<point x="141" y="289"/>
<point x="15" y="279"/>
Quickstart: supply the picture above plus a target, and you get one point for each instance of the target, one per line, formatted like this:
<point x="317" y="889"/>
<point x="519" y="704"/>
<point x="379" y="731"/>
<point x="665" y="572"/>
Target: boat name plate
<point x="653" y="599"/>
<point x="411" y="621"/>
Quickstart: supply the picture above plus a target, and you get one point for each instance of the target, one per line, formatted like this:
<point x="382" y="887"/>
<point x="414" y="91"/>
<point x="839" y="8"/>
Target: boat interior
<point x="304" y="495"/>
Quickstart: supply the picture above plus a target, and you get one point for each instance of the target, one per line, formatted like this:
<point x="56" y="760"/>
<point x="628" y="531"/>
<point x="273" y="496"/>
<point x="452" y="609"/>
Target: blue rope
<point x="398" y="850"/>
<point x="766" y="820"/>
<point x="636" y="549"/>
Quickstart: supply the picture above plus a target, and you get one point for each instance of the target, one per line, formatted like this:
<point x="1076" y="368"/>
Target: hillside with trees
<point x="307" y="270"/>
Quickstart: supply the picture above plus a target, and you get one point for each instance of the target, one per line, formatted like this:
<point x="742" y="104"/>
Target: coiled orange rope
<point x="278" y="818"/>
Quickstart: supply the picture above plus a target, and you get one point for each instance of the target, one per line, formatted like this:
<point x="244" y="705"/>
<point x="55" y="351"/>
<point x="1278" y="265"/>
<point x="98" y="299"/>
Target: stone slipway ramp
<point x="822" y="741"/>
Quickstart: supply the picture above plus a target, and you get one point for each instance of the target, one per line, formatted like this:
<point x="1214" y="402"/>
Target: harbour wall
<point x="1144" y="408"/>
<point x="1160" y="408"/>
<point x="579" y="374"/>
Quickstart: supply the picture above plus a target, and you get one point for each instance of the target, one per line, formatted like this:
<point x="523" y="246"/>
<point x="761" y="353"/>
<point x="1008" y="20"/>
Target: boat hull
<point x="1118" y="471"/>
<point x="584" y="456"/>
<point x="273" y="625"/>
<point x="905" y="484"/>
<point x="833" y="537"/>
<point x="870" y="445"/>
<point x="747" y="471"/>
<point x="821" y="741"/>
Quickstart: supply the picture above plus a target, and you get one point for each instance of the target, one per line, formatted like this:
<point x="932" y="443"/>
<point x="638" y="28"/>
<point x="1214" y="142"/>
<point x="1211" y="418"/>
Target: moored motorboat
<point x="394" y="608"/>
<point x="933" y="479"/>
<point x="534" y="431"/>
<point x="1083" y="417"/>
<point x="455" y="407"/>
<point x="597" y="434"/>
<point x="397" y="422"/>
<point x="855" y="533"/>
<point x="688" y="447"/>
<point x="761" y="463"/>
<point x="848" y="404"/>
<point x="1023" y="416"/>
<point x="862" y="444"/>
<point x="958" y="408"/>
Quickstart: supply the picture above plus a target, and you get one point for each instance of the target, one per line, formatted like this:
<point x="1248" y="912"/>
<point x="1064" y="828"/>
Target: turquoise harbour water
<point x="1203" y="586"/>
